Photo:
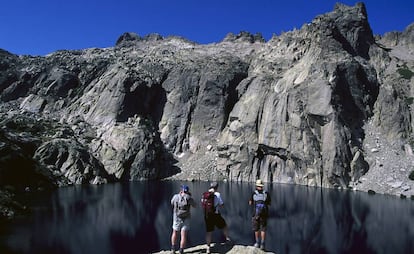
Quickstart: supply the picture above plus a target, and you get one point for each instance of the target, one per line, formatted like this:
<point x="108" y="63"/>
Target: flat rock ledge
<point x="221" y="248"/>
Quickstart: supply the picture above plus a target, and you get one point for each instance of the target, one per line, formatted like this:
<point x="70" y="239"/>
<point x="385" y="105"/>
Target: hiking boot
<point x="228" y="241"/>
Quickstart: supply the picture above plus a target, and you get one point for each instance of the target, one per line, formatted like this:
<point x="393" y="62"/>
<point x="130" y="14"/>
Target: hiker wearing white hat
<point x="260" y="202"/>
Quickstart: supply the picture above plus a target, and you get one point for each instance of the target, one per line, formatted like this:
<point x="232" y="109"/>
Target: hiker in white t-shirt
<point x="214" y="219"/>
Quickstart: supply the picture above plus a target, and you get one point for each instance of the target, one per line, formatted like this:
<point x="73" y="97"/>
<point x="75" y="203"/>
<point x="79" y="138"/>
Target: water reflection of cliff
<point x="136" y="217"/>
<point x="115" y="218"/>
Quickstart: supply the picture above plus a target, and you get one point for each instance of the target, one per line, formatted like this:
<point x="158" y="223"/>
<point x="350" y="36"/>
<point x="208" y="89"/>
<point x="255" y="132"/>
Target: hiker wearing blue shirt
<point x="181" y="204"/>
<point x="260" y="202"/>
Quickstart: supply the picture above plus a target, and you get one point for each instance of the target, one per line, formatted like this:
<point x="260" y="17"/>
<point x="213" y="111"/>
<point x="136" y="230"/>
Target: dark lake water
<point x="136" y="217"/>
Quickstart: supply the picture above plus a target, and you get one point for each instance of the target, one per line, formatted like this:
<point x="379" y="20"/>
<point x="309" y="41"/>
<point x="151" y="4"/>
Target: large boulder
<point x="69" y="158"/>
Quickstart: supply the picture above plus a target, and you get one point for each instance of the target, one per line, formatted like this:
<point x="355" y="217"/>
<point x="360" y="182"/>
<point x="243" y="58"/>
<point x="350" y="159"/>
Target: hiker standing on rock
<point x="181" y="204"/>
<point x="211" y="202"/>
<point x="260" y="202"/>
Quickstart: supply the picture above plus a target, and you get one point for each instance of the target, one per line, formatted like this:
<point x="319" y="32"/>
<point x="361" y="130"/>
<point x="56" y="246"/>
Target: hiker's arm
<point x="220" y="202"/>
<point x="251" y="200"/>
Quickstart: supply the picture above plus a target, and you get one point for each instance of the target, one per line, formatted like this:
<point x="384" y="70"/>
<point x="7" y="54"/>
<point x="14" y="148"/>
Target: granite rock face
<point x="294" y="109"/>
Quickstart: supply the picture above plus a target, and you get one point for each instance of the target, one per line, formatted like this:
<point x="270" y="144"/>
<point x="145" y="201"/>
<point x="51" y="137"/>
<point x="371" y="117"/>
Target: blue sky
<point x="39" y="27"/>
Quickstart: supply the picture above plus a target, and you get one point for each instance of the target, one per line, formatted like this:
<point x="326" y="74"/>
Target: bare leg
<point x="173" y="237"/>
<point x="262" y="244"/>
<point x="256" y="236"/>
<point x="183" y="241"/>
<point x="208" y="238"/>
<point x="263" y="235"/>
<point x="226" y="232"/>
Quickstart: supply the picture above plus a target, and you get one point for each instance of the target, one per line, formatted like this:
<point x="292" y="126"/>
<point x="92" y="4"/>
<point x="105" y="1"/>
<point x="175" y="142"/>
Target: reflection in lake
<point x="136" y="217"/>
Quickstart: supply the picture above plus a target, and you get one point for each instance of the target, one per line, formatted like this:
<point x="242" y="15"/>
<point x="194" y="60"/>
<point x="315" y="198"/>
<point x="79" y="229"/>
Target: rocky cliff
<point x="314" y="106"/>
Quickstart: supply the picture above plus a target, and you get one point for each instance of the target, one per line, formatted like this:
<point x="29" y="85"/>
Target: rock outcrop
<point x="297" y="109"/>
<point x="221" y="248"/>
<point x="308" y="113"/>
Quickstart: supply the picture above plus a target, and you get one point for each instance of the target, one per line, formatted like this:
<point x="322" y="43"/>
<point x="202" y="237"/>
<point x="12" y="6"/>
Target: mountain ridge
<point x="315" y="106"/>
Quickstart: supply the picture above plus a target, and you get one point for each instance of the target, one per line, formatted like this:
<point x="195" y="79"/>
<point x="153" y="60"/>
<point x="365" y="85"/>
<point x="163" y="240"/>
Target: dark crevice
<point x="142" y="99"/>
<point x="276" y="151"/>
<point x="126" y="175"/>
<point x="231" y="96"/>
<point x="180" y="143"/>
<point x="179" y="146"/>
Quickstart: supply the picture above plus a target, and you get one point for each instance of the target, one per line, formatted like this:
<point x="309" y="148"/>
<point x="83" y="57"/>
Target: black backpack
<point x="260" y="206"/>
<point x="182" y="206"/>
<point x="207" y="203"/>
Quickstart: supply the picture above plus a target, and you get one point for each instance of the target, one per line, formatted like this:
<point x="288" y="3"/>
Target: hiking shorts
<point x="259" y="223"/>
<point x="180" y="224"/>
<point x="215" y="220"/>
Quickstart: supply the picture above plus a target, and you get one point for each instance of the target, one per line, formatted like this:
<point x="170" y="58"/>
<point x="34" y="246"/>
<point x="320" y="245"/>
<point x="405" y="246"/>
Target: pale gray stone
<point x="326" y="105"/>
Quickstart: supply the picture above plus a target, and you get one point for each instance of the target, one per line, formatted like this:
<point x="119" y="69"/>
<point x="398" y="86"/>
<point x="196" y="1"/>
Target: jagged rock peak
<point x="153" y="37"/>
<point x="244" y="36"/>
<point x="360" y="7"/>
<point x="349" y="26"/>
<point x="129" y="38"/>
<point x="291" y="110"/>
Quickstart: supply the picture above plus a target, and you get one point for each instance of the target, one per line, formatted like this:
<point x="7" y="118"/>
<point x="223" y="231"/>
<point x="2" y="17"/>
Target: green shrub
<point x="411" y="176"/>
<point x="405" y="72"/>
<point x="410" y="100"/>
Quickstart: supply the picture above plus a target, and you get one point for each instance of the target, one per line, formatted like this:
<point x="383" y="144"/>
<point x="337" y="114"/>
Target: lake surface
<point x="136" y="217"/>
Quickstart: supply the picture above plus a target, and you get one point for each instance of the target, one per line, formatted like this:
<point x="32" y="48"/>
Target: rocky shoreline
<point x="219" y="249"/>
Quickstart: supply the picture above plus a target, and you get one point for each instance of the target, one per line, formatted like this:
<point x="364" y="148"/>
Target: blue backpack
<point x="260" y="206"/>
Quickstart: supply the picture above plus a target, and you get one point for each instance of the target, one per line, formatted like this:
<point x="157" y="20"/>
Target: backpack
<point x="182" y="205"/>
<point x="207" y="203"/>
<point x="260" y="206"/>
